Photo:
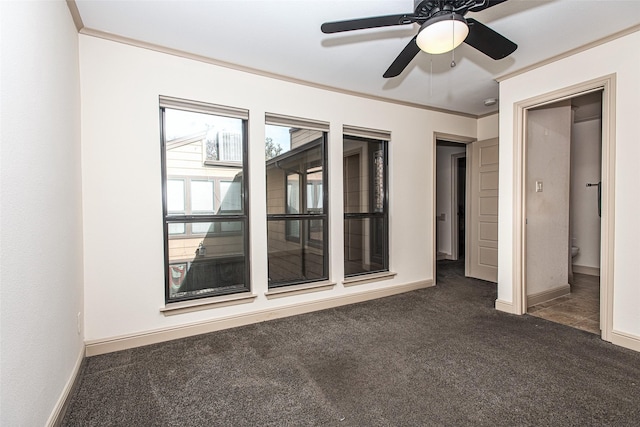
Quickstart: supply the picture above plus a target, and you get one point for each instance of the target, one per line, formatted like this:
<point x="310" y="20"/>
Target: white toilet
<point x="575" y="250"/>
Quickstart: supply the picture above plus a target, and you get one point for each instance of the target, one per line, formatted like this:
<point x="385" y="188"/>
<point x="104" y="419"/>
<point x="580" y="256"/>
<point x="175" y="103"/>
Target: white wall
<point x="124" y="268"/>
<point x="622" y="57"/>
<point x="41" y="213"/>
<point x="443" y="197"/>
<point x="547" y="231"/>
<point x="489" y="127"/>
<point x="586" y="156"/>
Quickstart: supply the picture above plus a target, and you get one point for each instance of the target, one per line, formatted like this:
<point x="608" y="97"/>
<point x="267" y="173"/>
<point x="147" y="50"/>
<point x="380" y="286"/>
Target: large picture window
<point x="205" y="199"/>
<point x="295" y="155"/>
<point x="366" y="217"/>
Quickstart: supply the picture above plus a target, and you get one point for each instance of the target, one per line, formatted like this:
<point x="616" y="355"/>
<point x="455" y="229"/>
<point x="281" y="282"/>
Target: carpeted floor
<point x="435" y="357"/>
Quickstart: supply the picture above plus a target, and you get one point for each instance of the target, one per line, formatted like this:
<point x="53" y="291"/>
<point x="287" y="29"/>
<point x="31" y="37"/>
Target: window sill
<point x="304" y="288"/>
<point x="203" y="304"/>
<point x="367" y="278"/>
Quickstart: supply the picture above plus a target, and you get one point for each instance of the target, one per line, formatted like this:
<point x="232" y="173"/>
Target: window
<point x="297" y="226"/>
<point x="366" y="218"/>
<point x="212" y="196"/>
<point x="205" y="199"/>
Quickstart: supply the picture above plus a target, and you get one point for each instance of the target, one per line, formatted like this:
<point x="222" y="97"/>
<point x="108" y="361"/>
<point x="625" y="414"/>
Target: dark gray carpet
<point x="435" y="357"/>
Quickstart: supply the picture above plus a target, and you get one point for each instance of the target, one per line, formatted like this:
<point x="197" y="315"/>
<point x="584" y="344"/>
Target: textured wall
<point x="41" y="212"/>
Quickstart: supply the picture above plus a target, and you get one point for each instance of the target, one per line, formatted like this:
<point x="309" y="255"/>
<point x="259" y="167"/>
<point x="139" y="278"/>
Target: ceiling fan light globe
<point x="442" y="33"/>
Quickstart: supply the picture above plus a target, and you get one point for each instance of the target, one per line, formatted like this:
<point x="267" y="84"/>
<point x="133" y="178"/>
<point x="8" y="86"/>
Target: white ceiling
<point x="283" y="37"/>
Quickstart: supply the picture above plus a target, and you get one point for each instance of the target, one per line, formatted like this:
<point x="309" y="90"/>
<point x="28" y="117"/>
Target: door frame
<point x="455" y="230"/>
<point x="452" y="138"/>
<point x="607" y="227"/>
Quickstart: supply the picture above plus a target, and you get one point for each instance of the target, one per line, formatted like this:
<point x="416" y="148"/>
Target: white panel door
<point x="482" y="261"/>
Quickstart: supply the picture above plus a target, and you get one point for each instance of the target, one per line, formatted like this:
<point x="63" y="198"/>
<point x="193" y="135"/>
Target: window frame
<point x="304" y="229"/>
<point x="371" y="214"/>
<point x="188" y="218"/>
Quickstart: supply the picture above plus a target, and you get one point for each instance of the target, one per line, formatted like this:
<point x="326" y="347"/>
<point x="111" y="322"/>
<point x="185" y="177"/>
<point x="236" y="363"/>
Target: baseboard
<point x="623" y="339"/>
<point x="55" y="419"/>
<point x="97" y="347"/>
<point x="507" y="307"/>
<point x="583" y="269"/>
<point x="442" y="255"/>
<point x="547" y="295"/>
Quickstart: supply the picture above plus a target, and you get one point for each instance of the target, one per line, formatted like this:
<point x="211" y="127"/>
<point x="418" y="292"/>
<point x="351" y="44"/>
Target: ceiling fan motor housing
<point x="432" y="13"/>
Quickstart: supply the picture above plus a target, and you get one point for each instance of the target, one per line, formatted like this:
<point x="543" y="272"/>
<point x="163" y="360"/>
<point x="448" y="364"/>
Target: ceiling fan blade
<point x="360" y="24"/>
<point x="400" y="63"/>
<point x="487" y="4"/>
<point x="488" y="41"/>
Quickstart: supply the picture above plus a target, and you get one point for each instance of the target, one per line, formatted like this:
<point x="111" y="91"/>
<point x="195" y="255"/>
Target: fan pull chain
<point x="430" y="76"/>
<point x="453" y="41"/>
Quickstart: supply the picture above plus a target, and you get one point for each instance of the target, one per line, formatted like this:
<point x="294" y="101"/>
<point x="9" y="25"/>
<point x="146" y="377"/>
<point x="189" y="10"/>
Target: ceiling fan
<point x="442" y="28"/>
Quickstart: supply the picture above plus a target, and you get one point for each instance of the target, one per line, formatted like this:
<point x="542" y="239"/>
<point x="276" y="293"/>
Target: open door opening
<point x="466" y="208"/>
<point x="563" y="211"/>
<point x="459" y="204"/>
<point x="451" y="183"/>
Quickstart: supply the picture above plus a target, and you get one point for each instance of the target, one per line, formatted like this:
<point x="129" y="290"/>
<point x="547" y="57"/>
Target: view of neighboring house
<point x="203" y="182"/>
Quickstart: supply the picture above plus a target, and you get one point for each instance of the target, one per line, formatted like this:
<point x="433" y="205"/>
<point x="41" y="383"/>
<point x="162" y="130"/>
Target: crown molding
<point x="201" y="58"/>
<point x="75" y="14"/>
<point x="482" y="116"/>
<point x="568" y="53"/>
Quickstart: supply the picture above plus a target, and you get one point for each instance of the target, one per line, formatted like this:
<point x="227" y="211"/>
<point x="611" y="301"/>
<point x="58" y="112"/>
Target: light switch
<point x="538" y="186"/>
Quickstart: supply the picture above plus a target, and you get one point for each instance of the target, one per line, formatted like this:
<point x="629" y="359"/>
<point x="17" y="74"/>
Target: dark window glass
<point x="295" y="261"/>
<point x="366" y="246"/>
<point x="296" y="205"/>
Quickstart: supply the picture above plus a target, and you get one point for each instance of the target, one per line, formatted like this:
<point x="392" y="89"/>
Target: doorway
<point x="450" y="205"/>
<point x="459" y="203"/>
<point x="606" y="86"/>
<point x="562" y="199"/>
<point x="450" y="199"/>
<point x="466" y="225"/>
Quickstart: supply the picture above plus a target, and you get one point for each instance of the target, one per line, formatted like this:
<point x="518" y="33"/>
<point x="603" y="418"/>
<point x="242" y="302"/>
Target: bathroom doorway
<point x="563" y="211"/>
